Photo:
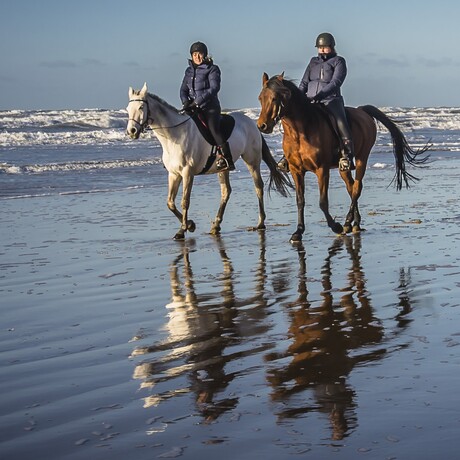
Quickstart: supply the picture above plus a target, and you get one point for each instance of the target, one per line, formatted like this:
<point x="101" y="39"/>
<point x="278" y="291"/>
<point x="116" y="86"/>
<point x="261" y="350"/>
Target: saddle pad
<point x="227" y="123"/>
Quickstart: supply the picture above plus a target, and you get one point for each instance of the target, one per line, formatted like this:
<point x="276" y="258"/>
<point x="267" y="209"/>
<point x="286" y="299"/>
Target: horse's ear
<point x="130" y="92"/>
<point x="281" y="76"/>
<point x="265" y="78"/>
<point x="144" y="89"/>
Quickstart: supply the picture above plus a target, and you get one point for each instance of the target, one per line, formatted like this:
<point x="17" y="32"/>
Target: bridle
<point x="279" y="116"/>
<point x="145" y="122"/>
<point x="279" y="112"/>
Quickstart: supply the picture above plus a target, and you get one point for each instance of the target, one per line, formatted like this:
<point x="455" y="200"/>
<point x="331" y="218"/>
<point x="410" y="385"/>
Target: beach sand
<point x="119" y="342"/>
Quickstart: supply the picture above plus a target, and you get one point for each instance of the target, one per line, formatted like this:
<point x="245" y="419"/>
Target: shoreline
<point x="118" y="341"/>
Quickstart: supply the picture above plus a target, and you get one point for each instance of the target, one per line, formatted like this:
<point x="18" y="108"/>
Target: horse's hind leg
<point x="354" y="188"/>
<point x="225" y="192"/>
<point x="259" y="187"/>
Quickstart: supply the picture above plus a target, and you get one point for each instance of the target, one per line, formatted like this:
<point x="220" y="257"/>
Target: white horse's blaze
<point x="185" y="152"/>
<point x="137" y="112"/>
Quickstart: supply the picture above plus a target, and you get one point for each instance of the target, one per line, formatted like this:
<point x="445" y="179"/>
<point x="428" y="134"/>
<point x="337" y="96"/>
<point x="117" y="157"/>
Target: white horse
<point x="186" y="154"/>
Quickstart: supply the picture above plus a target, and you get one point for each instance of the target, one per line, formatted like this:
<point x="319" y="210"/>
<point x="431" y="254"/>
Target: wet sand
<point x="118" y="342"/>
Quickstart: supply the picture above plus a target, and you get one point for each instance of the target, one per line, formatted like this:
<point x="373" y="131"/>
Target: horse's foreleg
<point x="174" y="181"/>
<point x="259" y="187"/>
<point x="185" y="204"/>
<point x="323" y="185"/>
<point x="225" y="192"/>
<point x="299" y="182"/>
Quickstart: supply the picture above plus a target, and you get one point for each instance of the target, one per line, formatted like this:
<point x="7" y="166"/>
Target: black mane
<point x="277" y="85"/>
<point x="288" y="90"/>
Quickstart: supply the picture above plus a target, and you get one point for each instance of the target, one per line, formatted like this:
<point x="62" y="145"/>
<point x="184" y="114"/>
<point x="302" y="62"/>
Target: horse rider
<point x="321" y="83"/>
<point x="198" y="91"/>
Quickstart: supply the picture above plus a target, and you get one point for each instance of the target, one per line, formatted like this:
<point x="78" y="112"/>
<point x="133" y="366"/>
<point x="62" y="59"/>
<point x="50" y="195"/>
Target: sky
<point x="87" y="53"/>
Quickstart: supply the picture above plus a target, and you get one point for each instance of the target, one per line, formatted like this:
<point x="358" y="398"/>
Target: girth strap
<point x="211" y="159"/>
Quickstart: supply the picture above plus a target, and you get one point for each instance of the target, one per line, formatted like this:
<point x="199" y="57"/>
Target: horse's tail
<point x="279" y="180"/>
<point x="402" y="151"/>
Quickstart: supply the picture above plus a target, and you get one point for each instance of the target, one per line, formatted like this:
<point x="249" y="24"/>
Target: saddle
<point x="227" y="123"/>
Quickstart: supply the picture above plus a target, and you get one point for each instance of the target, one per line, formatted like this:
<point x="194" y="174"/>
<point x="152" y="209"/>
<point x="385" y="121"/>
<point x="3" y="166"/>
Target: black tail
<point x="279" y="180"/>
<point x="402" y="151"/>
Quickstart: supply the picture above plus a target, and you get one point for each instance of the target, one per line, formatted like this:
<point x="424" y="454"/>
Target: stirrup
<point x="346" y="164"/>
<point x="223" y="165"/>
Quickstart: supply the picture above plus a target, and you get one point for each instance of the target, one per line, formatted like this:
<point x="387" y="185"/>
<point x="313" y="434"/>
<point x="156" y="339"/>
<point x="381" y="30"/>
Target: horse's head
<point x="273" y="99"/>
<point x="138" y="112"/>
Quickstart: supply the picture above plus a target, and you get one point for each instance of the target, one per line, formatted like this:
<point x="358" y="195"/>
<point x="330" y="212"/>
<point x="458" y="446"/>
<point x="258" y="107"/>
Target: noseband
<point x="144" y="122"/>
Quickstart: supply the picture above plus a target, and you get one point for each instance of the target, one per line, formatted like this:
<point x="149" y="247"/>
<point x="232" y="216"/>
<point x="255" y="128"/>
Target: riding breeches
<point x="337" y="109"/>
<point x="212" y="117"/>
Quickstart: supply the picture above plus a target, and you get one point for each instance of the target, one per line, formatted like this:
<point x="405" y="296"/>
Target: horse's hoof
<point x="191" y="227"/>
<point x="179" y="236"/>
<point x="356" y="229"/>
<point x="296" y="238"/>
<point x="337" y="228"/>
<point x="215" y="230"/>
<point x="346" y="228"/>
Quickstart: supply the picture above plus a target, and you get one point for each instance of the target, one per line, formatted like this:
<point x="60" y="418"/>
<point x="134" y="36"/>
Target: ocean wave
<point x="76" y="166"/>
<point x="24" y="128"/>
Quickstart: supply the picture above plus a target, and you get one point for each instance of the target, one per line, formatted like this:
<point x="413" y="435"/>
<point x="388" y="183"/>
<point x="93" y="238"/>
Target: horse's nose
<point x="133" y="130"/>
<point x="262" y="127"/>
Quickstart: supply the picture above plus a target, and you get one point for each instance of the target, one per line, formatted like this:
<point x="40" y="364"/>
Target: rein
<point x="278" y="115"/>
<point x="147" y="118"/>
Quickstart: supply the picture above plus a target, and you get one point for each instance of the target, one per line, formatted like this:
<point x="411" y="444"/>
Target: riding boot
<point x="346" y="161"/>
<point x="283" y="165"/>
<point x="225" y="160"/>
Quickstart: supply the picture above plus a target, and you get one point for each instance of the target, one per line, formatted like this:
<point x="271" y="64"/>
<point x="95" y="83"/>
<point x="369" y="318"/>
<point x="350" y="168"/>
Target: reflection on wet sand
<point x="327" y="340"/>
<point x="203" y="329"/>
<point x="212" y="335"/>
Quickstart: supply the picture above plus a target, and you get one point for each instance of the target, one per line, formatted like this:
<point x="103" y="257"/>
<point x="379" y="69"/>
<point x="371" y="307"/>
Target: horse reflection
<point x="202" y="329"/>
<point x="329" y="338"/>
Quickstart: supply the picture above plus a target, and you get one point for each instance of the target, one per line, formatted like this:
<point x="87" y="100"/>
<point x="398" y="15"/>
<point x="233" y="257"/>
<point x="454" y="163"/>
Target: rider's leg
<point x="337" y="109"/>
<point x="225" y="160"/>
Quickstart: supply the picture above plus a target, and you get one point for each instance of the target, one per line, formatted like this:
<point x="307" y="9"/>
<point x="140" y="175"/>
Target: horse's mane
<point x="158" y="99"/>
<point x="163" y="102"/>
<point x="292" y="92"/>
<point x="280" y="86"/>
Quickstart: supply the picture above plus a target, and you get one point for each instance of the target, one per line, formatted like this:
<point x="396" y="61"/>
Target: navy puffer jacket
<point x="201" y="84"/>
<point x="323" y="77"/>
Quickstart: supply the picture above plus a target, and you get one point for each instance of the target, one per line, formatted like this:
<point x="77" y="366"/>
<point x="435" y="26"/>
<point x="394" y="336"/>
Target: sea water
<point x="47" y="152"/>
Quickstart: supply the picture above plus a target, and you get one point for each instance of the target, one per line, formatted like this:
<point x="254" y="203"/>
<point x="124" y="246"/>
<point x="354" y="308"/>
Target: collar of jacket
<point x="206" y="63"/>
<point x="325" y="57"/>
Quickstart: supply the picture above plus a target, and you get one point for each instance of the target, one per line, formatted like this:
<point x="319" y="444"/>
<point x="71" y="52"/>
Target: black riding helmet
<point x="199" y="47"/>
<point x="325" y="39"/>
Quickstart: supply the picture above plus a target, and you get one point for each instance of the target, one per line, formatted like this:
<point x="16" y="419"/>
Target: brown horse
<point x="310" y="143"/>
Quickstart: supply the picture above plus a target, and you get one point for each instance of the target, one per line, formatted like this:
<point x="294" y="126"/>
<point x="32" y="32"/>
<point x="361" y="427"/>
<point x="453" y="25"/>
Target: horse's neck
<point x="302" y="121"/>
<point x="306" y="114"/>
<point x="163" y="117"/>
